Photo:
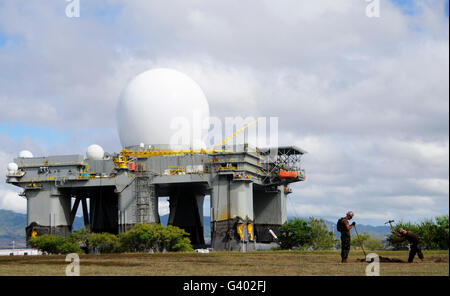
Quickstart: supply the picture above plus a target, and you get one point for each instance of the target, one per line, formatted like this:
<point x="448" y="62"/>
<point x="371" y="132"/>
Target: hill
<point x="374" y="231"/>
<point x="12" y="228"/>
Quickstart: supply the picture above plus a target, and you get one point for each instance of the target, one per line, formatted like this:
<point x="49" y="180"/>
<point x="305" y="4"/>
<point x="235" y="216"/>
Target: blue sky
<point x="3" y="39"/>
<point x="350" y="95"/>
<point x="410" y="7"/>
<point x="16" y="131"/>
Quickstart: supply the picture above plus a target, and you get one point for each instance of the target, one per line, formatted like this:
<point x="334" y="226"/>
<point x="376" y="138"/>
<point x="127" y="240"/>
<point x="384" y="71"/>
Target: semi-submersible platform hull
<point x="248" y="191"/>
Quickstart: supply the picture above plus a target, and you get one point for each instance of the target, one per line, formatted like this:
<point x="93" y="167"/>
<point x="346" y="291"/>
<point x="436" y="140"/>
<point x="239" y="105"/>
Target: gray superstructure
<point x="248" y="190"/>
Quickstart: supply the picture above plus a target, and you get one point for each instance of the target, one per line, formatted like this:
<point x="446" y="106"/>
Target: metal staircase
<point x="144" y="192"/>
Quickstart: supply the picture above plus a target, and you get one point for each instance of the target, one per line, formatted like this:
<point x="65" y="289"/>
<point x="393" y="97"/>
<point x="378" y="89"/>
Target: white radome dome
<point x="25" y="154"/>
<point x="95" y="152"/>
<point x="12" y="167"/>
<point x="163" y="107"/>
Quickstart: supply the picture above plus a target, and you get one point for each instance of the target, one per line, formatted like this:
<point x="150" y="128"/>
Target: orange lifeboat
<point x="131" y="166"/>
<point x="287" y="175"/>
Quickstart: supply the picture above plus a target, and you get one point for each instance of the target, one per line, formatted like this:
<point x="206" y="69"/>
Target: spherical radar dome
<point x="95" y="152"/>
<point x="12" y="167"/>
<point x="25" y="154"/>
<point x="163" y="107"/>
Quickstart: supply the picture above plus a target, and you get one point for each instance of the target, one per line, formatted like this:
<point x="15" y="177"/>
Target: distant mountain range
<point x="12" y="228"/>
<point x="374" y="231"/>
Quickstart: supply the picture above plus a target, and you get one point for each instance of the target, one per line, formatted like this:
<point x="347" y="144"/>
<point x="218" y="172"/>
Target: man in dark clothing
<point x="344" y="228"/>
<point x="414" y="241"/>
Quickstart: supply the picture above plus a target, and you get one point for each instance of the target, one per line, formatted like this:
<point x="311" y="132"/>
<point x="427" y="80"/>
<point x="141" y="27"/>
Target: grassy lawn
<point x="277" y="263"/>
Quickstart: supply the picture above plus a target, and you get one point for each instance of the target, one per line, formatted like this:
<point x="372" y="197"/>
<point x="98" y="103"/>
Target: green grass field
<point x="270" y="263"/>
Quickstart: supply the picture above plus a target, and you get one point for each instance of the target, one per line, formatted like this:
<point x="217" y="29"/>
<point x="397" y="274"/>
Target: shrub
<point x="357" y="240"/>
<point x="81" y="236"/>
<point x="442" y="232"/>
<point x="52" y="244"/>
<point x="175" y="239"/>
<point x="302" y="234"/>
<point x="368" y="242"/>
<point x="155" y="237"/>
<point x="321" y="237"/>
<point x="374" y="243"/>
<point x="295" y="233"/>
<point x="141" y="238"/>
<point x="182" y="245"/>
<point x="104" y="242"/>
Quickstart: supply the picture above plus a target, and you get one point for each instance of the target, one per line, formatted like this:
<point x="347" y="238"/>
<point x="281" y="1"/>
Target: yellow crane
<point x="121" y="162"/>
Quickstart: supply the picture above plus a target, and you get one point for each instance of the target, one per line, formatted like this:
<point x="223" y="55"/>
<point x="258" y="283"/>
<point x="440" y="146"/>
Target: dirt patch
<point x="438" y="259"/>
<point x="384" y="259"/>
<point x="396" y="260"/>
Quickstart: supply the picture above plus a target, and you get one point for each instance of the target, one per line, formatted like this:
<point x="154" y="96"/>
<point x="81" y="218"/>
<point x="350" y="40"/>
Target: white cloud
<point x="10" y="200"/>
<point x="438" y="186"/>
<point x="366" y="97"/>
<point x="163" y="206"/>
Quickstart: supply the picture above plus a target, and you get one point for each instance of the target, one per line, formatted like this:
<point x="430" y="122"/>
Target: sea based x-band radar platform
<point x="248" y="186"/>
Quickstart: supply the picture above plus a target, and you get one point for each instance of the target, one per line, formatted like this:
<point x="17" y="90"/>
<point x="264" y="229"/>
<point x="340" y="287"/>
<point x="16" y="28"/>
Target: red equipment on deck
<point x="287" y="175"/>
<point x="132" y="166"/>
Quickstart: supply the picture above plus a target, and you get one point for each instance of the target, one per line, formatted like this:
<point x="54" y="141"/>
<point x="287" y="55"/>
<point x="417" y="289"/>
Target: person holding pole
<point x="344" y="228"/>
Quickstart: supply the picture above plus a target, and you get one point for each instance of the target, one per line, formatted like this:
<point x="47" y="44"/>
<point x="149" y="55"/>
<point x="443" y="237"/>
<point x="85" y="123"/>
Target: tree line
<point x="141" y="238"/>
<point x="433" y="232"/>
<point x="314" y="234"/>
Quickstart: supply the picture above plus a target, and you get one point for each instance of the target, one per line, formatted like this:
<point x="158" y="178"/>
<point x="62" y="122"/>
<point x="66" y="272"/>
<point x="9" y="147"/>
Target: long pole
<point x="360" y="242"/>
<point x="392" y="227"/>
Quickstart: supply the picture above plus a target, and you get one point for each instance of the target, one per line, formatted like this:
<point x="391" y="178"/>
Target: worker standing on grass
<point x="344" y="228"/>
<point x="414" y="241"/>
